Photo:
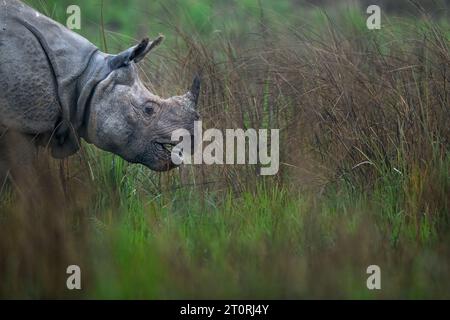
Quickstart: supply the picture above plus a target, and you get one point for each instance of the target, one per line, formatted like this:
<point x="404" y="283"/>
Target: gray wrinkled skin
<point x="57" y="87"/>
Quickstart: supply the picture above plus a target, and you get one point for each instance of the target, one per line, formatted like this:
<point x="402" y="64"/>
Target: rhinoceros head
<point x="127" y="119"/>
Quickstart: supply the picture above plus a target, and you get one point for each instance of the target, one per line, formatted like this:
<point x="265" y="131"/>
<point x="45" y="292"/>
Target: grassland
<point x="365" y="175"/>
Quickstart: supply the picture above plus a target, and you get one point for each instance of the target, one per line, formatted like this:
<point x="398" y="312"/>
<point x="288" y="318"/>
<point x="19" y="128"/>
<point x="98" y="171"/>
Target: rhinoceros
<point x="56" y="88"/>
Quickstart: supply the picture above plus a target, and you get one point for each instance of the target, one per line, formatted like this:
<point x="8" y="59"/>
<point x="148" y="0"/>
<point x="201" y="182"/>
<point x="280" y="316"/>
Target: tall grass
<point x="364" y="177"/>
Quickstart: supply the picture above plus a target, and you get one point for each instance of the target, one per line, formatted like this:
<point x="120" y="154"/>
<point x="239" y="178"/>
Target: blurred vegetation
<point x="365" y="161"/>
<point x="127" y="21"/>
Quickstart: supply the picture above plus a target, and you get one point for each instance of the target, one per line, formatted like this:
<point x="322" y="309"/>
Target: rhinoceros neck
<point x="97" y="70"/>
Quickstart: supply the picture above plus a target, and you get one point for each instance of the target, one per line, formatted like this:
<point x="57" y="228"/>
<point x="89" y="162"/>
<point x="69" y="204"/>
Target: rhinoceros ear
<point x="141" y="52"/>
<point x="136" y="53"/>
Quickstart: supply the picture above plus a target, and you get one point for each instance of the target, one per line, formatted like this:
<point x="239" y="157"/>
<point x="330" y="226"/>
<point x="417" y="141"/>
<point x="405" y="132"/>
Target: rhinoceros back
<point x="40" y="61"/>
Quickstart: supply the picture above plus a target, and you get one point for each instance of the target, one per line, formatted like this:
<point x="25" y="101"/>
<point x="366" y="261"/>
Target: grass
<point x="364" y="177"/>
<point x="269" y="243"/>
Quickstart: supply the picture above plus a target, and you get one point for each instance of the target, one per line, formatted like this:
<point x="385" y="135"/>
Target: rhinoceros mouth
<point x="165" y="150"/>
<point x="157" y="157"/>
<point x="165" y="146"/>
<point x="168" y="146"/>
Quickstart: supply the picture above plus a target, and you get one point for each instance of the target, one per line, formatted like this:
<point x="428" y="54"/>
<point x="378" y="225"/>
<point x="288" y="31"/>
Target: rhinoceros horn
<point x="195" y="89"/>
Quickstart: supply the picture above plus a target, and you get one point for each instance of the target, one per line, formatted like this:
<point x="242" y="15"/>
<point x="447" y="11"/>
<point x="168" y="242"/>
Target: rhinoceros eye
<point x="149" y="108"/>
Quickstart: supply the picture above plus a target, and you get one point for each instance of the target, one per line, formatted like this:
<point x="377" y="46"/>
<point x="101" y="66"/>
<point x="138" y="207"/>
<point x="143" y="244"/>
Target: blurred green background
<point x="127" y="21"/>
